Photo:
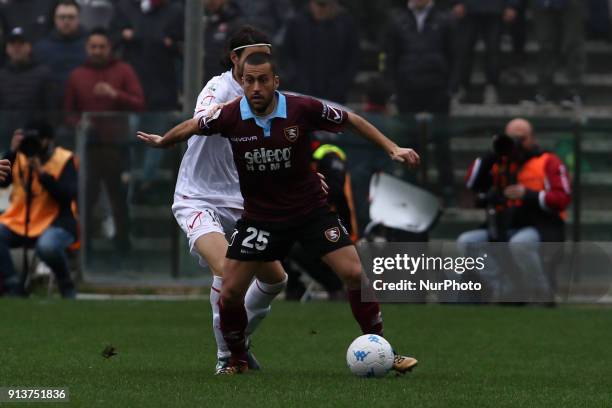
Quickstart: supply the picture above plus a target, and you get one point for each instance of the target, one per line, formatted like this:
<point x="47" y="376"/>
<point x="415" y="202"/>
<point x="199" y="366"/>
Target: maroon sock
<point x="367" y="314"/>
<point x="233" y="324"/>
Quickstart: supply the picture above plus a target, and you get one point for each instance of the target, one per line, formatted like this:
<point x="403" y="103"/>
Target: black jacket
<point x="418" y="61"/>
<point x="25" y="87"/>
<point x="62" y="55"/>
<point x="152" y="60"/>
<point x="322" y="57"/>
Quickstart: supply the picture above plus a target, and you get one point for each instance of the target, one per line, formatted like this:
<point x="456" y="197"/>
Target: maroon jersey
<point x="273" y="155"/>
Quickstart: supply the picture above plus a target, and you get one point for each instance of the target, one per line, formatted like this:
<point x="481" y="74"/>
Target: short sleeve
<point x="210" y="95"/>
<point x="323" y="116"/>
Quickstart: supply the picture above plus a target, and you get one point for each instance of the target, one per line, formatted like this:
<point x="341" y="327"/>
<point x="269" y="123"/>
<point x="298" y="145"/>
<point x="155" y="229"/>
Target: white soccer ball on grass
<point x="370" y="356"/>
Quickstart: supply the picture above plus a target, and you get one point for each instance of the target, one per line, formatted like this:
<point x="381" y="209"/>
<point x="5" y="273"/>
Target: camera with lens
<point x="34" y="132"/>
<point x="508" y="154"/>
<point x="505" y="146"/>
<point x="31" y="144"/>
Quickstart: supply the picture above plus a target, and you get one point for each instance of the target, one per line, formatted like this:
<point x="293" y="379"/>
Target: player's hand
<point x="151" y="139"/>
<point x="324" y="185"/>
<point x="16" y="140"/>
<point x="5" y="169"/>
<point x="407" y="156"/>
<point x="515" y="192"/>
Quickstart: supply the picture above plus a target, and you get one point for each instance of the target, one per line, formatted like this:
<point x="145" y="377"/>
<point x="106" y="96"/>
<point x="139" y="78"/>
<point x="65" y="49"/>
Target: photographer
<point x="44" y="180"/>
<point x="526" y="192"/>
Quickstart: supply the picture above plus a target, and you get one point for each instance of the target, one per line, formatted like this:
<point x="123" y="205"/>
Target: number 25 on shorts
<point x="260" y="237"/>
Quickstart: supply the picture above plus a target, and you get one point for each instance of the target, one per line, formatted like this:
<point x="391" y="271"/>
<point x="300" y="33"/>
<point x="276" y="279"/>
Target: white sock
<point x="257" y="301"/>
<point x="215" y="294"/>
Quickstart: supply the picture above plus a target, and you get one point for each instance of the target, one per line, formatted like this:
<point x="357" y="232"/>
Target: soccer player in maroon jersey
<point x="283" y="201"/>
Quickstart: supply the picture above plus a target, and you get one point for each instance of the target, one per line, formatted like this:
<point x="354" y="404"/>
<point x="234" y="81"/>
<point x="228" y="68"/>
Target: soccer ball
<point x="369" y="356"/>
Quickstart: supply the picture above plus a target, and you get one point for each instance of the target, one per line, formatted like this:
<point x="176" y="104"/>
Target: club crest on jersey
<point x="292" y="133"/>
<point x="333" y="114"/>
<point x="332" y="234"/>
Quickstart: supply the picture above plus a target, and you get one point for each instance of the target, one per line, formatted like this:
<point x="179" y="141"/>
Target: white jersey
<point x="207" y="171"/>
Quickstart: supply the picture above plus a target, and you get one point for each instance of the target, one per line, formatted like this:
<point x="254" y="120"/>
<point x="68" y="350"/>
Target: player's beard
<point x="263" y="104"/>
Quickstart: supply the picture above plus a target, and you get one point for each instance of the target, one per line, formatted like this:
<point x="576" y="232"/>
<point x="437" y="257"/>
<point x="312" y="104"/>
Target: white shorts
<point x="198" y="218"/>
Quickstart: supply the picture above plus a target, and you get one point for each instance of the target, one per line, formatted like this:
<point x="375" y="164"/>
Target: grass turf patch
<point x="469" y="355"/>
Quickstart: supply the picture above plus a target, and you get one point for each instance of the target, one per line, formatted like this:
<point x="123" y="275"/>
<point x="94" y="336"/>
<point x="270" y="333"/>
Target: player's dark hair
<point x="260" y="58"/>
<point x="245" y="35"/>
<point x="99" y="31"/>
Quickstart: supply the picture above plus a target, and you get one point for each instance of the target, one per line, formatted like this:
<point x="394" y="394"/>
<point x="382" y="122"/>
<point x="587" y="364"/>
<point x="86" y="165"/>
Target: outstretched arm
<point x="185" y="130"/>
<point x="359" y="125"/>
<point x="177" y="134"/>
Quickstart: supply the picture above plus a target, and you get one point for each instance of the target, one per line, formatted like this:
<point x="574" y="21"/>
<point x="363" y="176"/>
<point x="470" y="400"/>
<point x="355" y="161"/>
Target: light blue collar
<point x="265" y="124"/>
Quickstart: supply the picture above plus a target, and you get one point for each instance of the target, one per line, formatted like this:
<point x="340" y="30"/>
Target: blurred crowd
<point x="425" y="49"/>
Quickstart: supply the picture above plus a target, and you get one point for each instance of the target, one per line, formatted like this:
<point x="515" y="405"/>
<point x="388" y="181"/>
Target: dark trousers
<point x="471" y="28"/>
<point x="51" y="249"/>
<point x="104" y="165"/>
<point x="561" y="36"/>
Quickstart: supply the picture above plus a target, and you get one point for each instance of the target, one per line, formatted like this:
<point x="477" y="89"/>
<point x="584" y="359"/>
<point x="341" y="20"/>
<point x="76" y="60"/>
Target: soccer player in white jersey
<point x="207" y="199"/>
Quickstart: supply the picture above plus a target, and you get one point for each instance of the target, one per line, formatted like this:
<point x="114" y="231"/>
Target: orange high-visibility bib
<point x="44" y="209"/>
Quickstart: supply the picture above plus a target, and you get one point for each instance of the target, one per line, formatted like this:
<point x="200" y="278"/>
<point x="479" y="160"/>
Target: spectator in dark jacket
<point x="419" y="51"/>
<point x="149" y="35"/>
<point x="482" y="18"/>
<point x="223" y="18"/>
<point x="104" y="84"/>
<point x="24" y="84"/>
<point x="559" y="27"/>
<point x="64" y="48"/>
<point x="321" y="48"/>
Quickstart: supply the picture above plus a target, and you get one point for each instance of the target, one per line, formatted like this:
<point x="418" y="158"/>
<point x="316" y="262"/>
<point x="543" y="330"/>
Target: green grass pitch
<point x="470" y="356"/>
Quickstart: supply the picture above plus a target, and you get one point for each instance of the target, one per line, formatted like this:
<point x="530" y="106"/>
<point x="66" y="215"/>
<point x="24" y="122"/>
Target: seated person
<point x="526" y="191"/>
<point x="40" y="215"/>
